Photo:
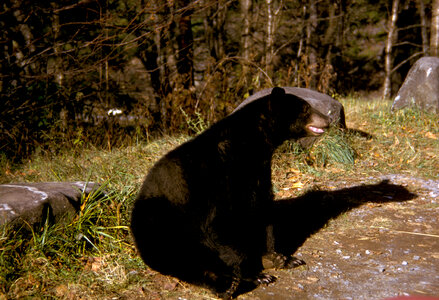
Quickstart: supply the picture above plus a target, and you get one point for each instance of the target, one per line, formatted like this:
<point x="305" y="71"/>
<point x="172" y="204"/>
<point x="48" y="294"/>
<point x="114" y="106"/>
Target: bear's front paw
<point x="279" y="261"/>
<point x="293" y="262"/>
<point x="265" y="279"/>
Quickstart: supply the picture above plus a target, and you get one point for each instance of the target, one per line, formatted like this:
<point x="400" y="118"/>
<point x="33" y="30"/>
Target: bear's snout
<point x="317" y="124"/>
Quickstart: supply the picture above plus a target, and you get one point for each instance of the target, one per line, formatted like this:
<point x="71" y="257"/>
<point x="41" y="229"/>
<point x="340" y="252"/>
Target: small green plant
<point x="197" y="124"/>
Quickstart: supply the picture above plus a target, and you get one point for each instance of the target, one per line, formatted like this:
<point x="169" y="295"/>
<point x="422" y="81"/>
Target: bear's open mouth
<point x="316" y="130"/>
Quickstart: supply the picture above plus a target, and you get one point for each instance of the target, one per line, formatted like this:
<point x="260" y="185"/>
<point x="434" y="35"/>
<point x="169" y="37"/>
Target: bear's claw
<point x="265" y="279"/>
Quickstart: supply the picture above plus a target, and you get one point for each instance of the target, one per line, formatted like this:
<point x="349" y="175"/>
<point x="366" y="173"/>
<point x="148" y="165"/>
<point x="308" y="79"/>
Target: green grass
<point x="93" y="257"/>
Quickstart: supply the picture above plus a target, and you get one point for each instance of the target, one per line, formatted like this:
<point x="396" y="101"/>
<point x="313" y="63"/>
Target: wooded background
<point x="170" y="64"/>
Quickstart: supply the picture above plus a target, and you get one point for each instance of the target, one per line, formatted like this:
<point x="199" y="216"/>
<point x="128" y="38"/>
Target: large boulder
<point x="321" y="102"/>
<point x="33" y="203"/>
<point x="420" y="87"/>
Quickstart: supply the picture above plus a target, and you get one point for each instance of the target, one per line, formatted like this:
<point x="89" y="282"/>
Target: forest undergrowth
<point x="93" y="257"/>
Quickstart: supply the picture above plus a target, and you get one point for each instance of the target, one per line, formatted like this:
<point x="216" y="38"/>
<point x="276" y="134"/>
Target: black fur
<point x="202" y="212"/>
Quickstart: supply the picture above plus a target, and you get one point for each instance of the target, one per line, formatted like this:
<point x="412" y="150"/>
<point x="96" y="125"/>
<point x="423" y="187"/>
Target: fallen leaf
<point x="431" y="135"/>
<point x="292" y="170"/>
<point x="297" y="185"/>
<point x="312" y="279"/>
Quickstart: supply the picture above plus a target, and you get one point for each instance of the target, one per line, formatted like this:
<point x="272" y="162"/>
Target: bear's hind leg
<point x="165" y="238"/>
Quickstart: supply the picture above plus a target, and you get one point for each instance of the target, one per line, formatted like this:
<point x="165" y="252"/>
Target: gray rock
<point x="421" y="86"/>
<point x="33" y="203"/>
<point x="321" y="102"/>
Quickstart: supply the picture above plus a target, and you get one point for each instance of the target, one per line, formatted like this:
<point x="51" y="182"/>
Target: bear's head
<point x="294" y="117"/>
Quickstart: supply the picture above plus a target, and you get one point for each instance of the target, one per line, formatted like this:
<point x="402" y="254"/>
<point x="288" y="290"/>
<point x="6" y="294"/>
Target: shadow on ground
<point x="368" y="241"/>
<point x="297" y="219"/>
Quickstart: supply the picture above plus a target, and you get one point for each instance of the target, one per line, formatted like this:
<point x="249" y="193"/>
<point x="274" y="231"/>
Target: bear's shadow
<point x="296" y="219"/>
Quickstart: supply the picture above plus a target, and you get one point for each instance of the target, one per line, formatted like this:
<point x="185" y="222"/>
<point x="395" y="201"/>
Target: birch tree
<point x="270" y="38"/>
<point x="421" y="9"/>
<point x="311" y="42"/>
<point x="388" y="62"/>
<point x="434" y="38"/>
<point x="246" y="9"/>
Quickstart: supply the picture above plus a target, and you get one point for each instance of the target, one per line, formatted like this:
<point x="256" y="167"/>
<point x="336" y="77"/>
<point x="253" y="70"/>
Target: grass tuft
<point x="333" y="147"/>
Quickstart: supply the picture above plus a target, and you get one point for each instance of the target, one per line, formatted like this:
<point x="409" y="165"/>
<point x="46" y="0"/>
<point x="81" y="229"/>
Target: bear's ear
<point x="277" y="92"/>
<point x="286" y="105"/>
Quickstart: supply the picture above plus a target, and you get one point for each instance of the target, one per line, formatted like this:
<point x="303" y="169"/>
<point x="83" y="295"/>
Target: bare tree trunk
<point x="311" y="44"/>
<point x="157" y="55"/>
<point x="165" y="49"/>
<point x="270" y="39"/>
<point x="300" y="49"/>
<point x="23" y="47"/>
<point x="107" y="84"/>
<point x="246" y="7"/>
<point x="214" y="21"/>
<point x="330" y="34"/>
<point x="341" y="30"/>
<point x="329" y="41"/>
<point x="219" y="30"/>
<point x="57" y="68"/>
<point x="103" y="92"/>
<point x="391" y="35"/>
<point x="434" y="38"/>
<point x="185" y="41"/>
<point x="421" y="8"/>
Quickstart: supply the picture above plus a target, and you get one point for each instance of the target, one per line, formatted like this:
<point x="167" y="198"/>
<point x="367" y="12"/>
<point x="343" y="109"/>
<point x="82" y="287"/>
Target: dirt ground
<point x="372" y="239"/>
<point x="377" y="250"/>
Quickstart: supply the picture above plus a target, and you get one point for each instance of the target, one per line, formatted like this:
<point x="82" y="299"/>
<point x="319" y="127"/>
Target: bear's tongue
<point x="316" y="129"/>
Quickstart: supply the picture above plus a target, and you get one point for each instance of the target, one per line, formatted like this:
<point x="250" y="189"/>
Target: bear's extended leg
<point x="277" y="260"/>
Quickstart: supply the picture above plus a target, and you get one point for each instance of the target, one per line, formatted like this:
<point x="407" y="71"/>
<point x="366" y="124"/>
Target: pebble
<point x="132" y="273"/>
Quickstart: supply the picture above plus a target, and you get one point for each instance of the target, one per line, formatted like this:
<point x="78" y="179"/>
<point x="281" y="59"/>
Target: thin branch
<point x="406" y="60"/>
<point x="407" y="43"/>
<point x="80" y="3"/>
<point x="406" y="232"/>
<point x="409" y="27"/>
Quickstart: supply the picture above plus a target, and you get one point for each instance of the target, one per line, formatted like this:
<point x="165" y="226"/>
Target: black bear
<point x="202" y="214"/>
